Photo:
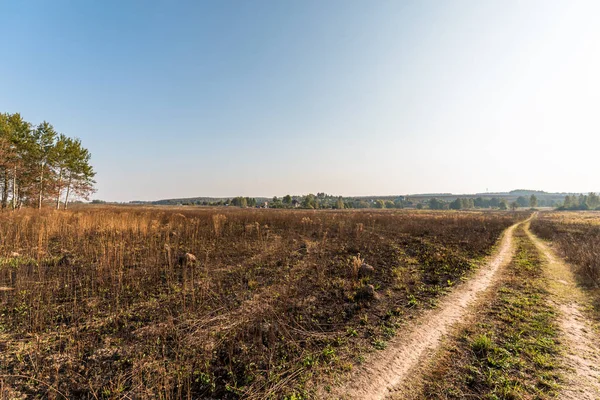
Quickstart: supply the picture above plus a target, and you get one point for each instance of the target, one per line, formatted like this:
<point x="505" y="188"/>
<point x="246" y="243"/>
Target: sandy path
<point x="386" y="373"/>
<point x="581" y="343"/>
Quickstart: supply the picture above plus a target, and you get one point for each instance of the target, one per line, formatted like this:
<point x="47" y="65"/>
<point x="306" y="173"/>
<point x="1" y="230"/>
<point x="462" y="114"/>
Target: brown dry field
<point x="576" y="235"/>
<point x="96" y="303"/>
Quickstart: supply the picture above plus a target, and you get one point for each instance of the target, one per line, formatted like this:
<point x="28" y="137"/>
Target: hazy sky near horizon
<point x="263" y="98"/>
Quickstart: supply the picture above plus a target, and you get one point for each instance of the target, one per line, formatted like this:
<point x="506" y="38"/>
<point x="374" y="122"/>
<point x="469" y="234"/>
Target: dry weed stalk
<point x="355" y="264"/>
<point x="218" y="222"/>
<point x="359" y="229"/>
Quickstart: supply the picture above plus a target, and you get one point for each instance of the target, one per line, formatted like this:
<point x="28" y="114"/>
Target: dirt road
<point x="391" y="374"/>
<point x="387" y="374"/>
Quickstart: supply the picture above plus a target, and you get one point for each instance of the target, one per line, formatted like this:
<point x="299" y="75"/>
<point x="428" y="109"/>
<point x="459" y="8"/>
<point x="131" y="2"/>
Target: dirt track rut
<point x="387" y="373"/>
<point x="582" y="358"/>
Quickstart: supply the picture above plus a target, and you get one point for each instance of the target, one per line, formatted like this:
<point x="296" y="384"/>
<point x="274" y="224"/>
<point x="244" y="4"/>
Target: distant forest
<point x="39" y="166"/>
<point x="438" y="201"/>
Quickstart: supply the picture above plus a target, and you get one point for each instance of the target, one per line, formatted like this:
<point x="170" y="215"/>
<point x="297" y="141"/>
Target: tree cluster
<point x="462" y="203"/>
<point x="465" y="203"/>
<point x="590" y="201"/>
<point x="494" y="202"/>
<point x="243" y="202"/>
<point x="38" y="165"/>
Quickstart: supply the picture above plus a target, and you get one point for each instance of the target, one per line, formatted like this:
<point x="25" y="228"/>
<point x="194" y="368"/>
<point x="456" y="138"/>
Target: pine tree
<point x="40" y="154"/>
<point x="79" y="172"/>
<point x="36" y="163"/>
<point x="60" y="163"/>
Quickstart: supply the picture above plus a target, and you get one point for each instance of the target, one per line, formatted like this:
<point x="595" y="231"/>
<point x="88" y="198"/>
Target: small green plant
<point x="309" y="361"/>
<point x="379" y="344"/>
<point x="482" y="344"/>
<point x="412" y="301"/>
<point x="328" y="354"/>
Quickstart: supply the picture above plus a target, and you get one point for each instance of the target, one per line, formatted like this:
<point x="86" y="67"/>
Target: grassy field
<point x="512" y="349"/>
<point x="103" y="302"/>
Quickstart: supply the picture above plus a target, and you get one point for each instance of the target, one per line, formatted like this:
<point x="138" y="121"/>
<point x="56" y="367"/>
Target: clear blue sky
<point x="262" y="98"/>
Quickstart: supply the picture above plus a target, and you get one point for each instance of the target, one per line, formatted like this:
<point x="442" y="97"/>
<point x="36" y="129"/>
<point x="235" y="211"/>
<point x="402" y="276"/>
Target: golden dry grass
<point x="577" y="237"/>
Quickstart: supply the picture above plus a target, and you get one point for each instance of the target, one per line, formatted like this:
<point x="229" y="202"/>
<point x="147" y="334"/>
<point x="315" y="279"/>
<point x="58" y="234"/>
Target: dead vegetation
<point x="201" y="303"/>
<point x="577" y="235"/>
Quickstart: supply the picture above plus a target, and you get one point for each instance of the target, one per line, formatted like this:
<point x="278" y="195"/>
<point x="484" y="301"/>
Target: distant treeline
<point x="309" y="201"/>
<point x="500" y="201"/>
<point x="326" y="201"/>
<point x="39" y="165"/>
<point x="582" y="202"/>
<point x="480" y="202"/>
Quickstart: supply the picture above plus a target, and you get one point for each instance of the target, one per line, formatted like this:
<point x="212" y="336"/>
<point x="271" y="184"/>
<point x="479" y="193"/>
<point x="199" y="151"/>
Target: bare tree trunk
<point x="5" y="189"/>
<point x="68" y="191"/>
<point x="59" y="189"/>
<point x="14" y="188"/>
<point x="41" y="186"/>
<point x="19" y="199"/>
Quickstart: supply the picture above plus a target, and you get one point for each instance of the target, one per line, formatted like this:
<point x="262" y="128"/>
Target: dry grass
<point x="96" y="305"/>
<point x="577" y="235"/>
